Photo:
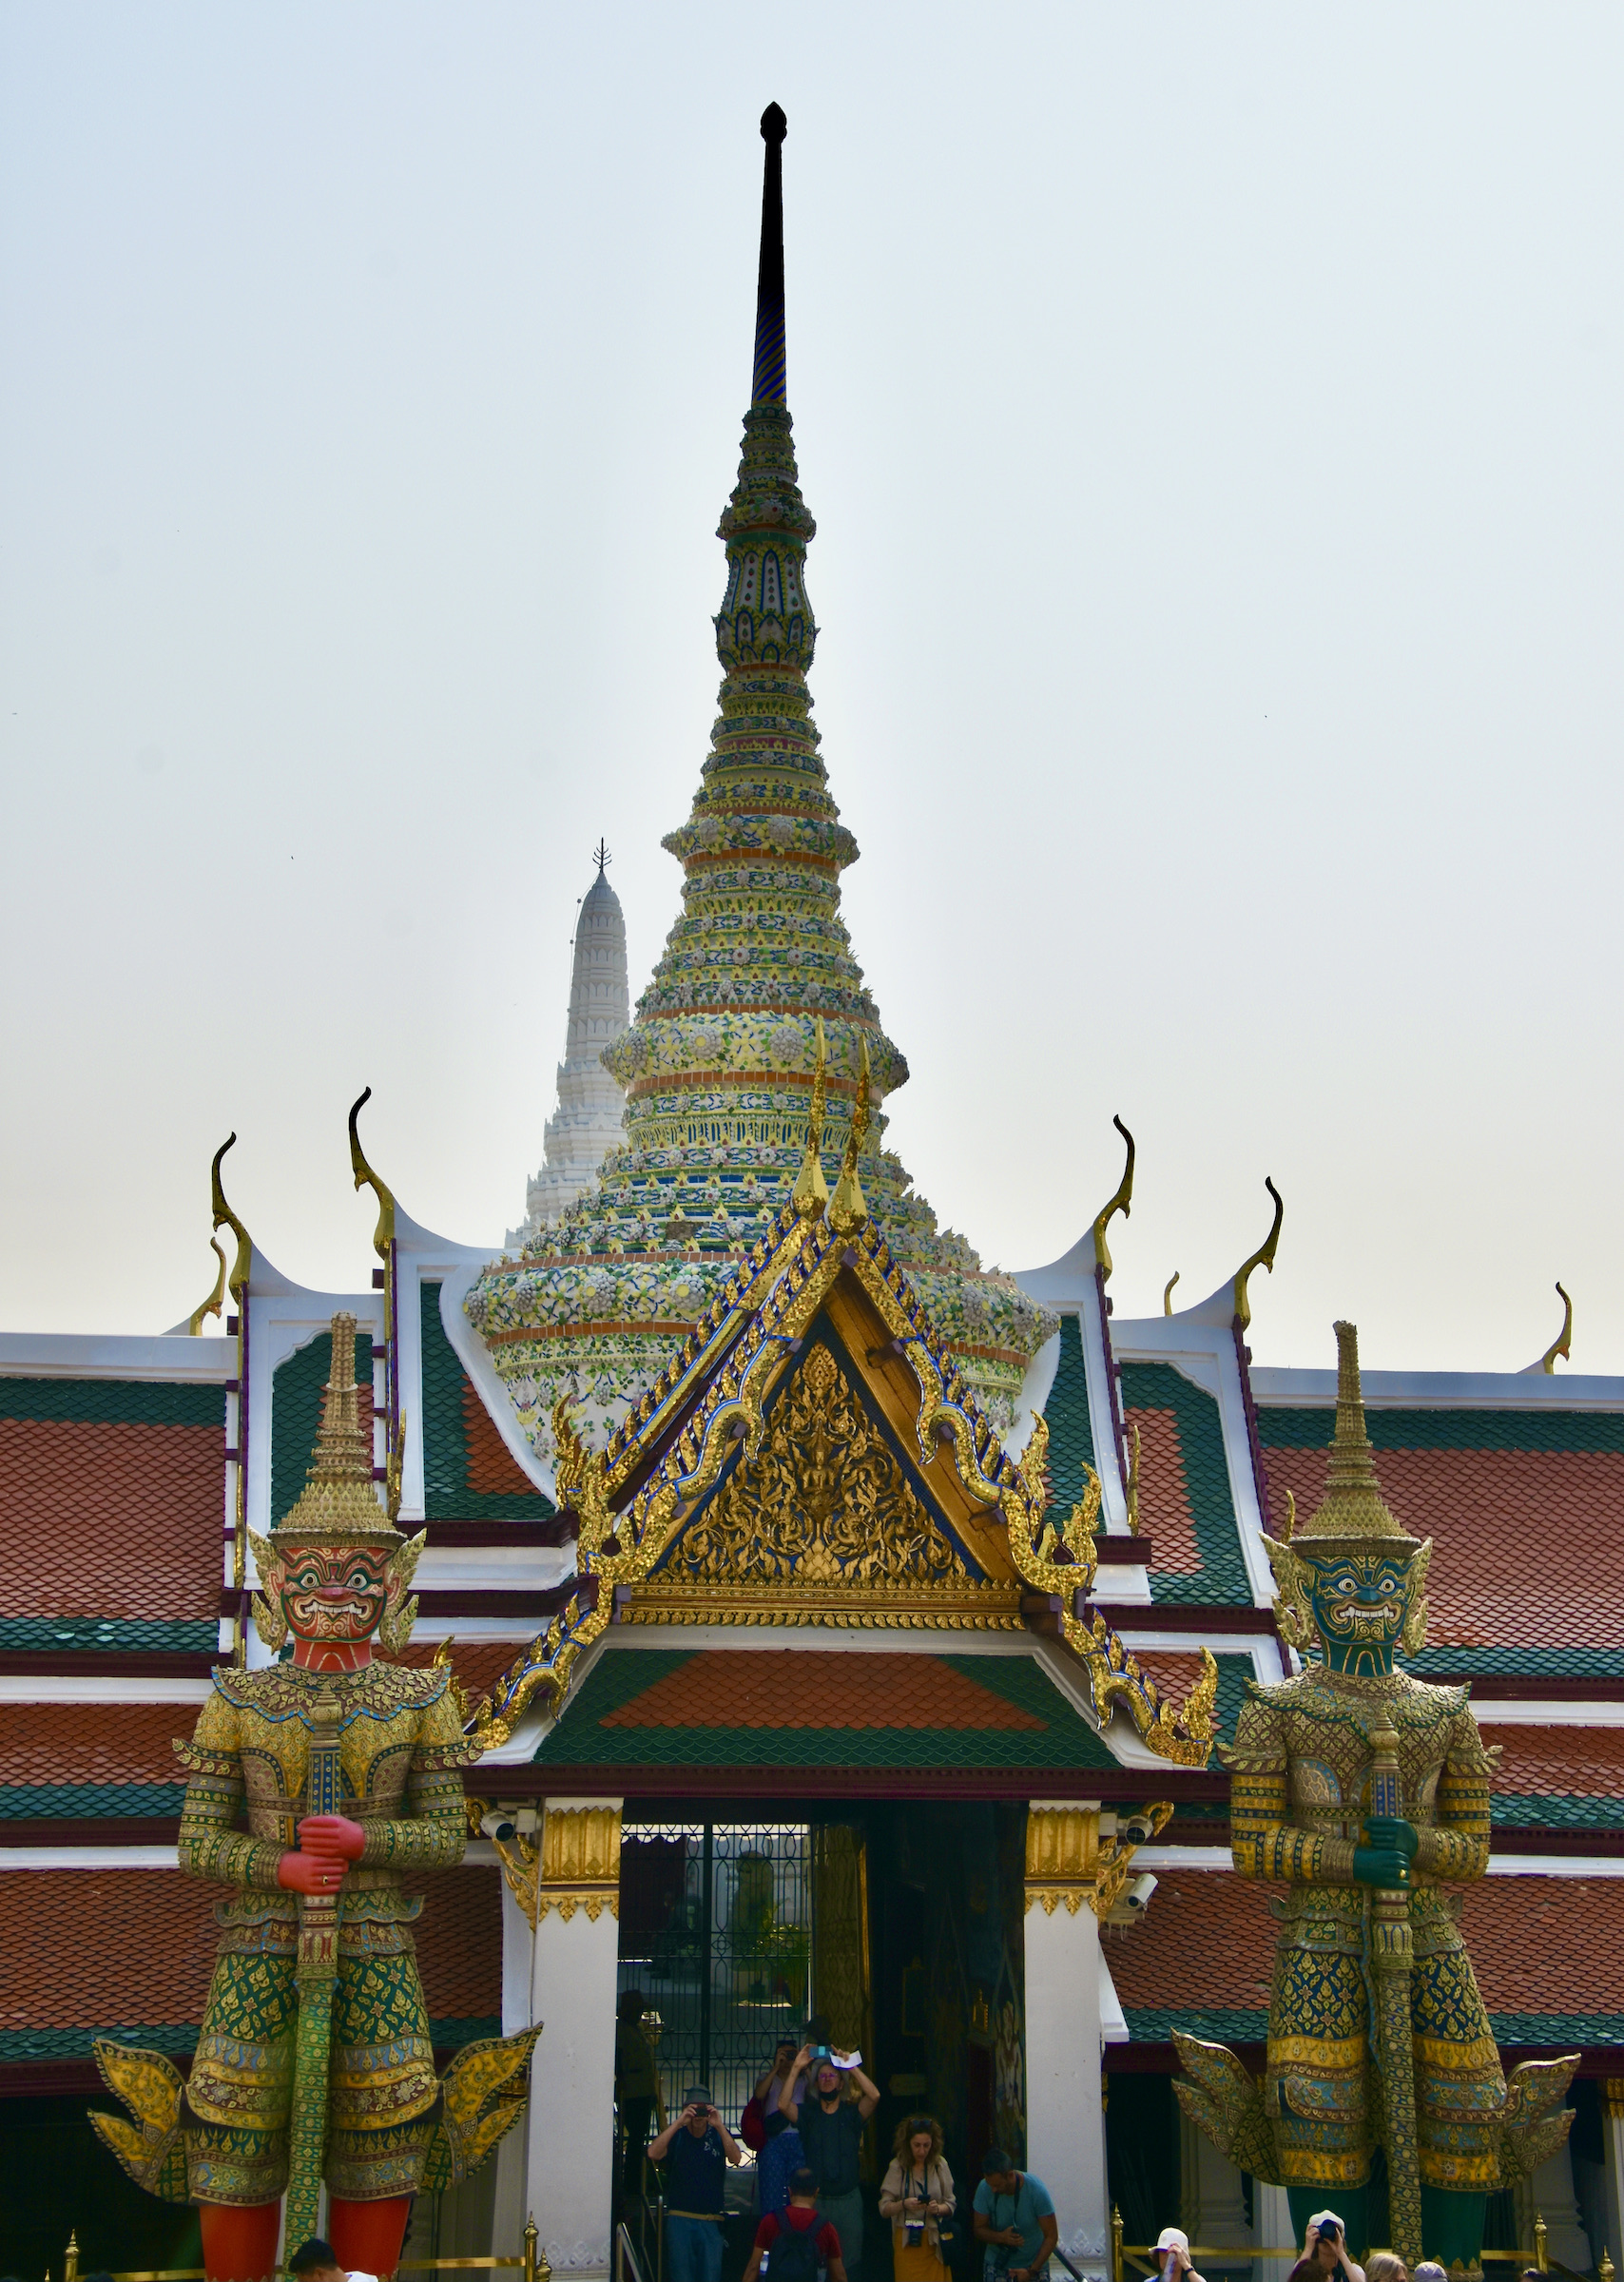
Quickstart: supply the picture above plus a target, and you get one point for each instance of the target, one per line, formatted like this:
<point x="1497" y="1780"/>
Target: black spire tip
<point x="767" y="380"/>
<point x="601" y="856"/>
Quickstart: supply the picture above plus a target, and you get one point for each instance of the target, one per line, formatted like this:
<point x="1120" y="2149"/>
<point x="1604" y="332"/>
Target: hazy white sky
<point x="1212" y="416"/>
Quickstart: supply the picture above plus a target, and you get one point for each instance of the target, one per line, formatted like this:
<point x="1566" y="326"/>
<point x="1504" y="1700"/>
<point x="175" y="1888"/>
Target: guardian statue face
<point x="332" y="1595"/>
<point x="1361" y="1603"/>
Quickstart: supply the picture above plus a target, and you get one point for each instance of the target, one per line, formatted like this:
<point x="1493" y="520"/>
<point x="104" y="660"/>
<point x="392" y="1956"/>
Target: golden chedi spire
<point x="1352" y="1511"/>
<point x="339" y="1504"/>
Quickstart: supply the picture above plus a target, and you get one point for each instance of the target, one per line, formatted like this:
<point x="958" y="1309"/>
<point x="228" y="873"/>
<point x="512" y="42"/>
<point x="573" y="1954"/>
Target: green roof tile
<point x="1066" y="1413"/>
<point x="1222" y="1577"/>
<point x="115" y="1402"/>
<point x="1290" y="1428"/>
<point x="46" y="1636"/>
<point x="446" y="1390"/>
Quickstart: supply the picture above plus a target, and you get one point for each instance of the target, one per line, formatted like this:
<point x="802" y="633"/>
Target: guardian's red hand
<point x="332" y="1834"/>
<point x="310" y="1873"/>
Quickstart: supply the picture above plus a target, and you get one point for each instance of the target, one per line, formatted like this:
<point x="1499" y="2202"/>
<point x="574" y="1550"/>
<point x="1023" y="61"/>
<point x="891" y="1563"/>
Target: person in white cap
<point x="1325" y="2251"/>
<point x="1172" y="2255"/>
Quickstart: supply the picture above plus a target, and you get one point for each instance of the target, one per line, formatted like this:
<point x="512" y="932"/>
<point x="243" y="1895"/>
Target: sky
<point x="1212" y="420"/>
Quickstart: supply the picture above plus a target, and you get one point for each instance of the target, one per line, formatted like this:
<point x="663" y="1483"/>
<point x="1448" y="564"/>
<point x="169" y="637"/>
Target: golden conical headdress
<point x="339" y="1504"/>
<point x="1352" y="1513"/>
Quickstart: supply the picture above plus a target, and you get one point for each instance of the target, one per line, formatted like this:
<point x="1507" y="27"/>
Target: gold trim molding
<point x="965" y="1606"/>
<point x="580" y="1862"/>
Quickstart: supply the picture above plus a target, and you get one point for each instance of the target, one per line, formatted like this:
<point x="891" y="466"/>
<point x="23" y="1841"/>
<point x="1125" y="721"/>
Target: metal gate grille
<point x="716" y="1932"/>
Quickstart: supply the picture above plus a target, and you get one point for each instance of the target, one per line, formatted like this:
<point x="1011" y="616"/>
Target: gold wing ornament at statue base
<point x="483" y="2094"/>
<point x="1224" y="2101"/>
<point x="150" y="2149"/>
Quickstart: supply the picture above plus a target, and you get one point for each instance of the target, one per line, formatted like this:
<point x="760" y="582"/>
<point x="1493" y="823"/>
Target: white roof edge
<point x="1444" y="1390"/>
<point x="116" y="1355"/>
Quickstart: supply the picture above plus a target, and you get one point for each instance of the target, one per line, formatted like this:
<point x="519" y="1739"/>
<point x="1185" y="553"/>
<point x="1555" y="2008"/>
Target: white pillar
<point x="509" y="2207"/>
<point x="1065" y="2045"/>
<point x="1611" y="2169"/>
<point x="1271" y="2231"/>
<point x="571" y="2127"/>
<point x="1212" y="2205"/>
<point x="1550" y="2192"/>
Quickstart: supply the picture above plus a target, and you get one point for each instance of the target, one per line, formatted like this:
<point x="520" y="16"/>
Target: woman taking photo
<point x="916" y="2197"/>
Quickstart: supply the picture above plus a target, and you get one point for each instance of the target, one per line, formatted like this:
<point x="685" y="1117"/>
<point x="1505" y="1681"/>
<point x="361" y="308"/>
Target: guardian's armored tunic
<point x="401" y="1748"/>
<point x="1302" y="1768"/>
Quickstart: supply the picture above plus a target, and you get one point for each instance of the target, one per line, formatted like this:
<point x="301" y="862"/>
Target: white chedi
<point x="585" y="1124"/>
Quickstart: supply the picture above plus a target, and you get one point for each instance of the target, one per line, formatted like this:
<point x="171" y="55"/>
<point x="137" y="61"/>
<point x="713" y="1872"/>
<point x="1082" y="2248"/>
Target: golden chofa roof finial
<point x="384" y="1235"/>
<point x="236" y="1281"/>
<point x="1263" y="1257"/>
<point x="1122" y="1202"/>
<point x="848" y="1207"/>
<point x="1564" y="1339"/>
<point x="216" y="1298"/>
<point x="811" y="1192"/>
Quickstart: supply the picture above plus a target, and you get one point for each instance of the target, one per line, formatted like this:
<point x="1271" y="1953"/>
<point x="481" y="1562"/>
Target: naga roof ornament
<point x="757" y="1028"/>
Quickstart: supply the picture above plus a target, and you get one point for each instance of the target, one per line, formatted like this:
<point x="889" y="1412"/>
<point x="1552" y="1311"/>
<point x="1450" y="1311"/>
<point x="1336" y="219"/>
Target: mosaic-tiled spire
<point x="718" y="1065"/>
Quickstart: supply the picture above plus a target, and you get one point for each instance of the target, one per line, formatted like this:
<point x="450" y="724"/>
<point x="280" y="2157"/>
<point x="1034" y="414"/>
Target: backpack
<point x="794" y="2253"/>
<point x="753" y="2126"/>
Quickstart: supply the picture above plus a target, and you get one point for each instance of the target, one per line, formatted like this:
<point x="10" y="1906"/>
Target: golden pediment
<point x="823" y="1525"/>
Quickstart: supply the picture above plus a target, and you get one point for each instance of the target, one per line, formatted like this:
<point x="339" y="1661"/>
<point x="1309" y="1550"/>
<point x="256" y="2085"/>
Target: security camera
<point x="1138" y="1828"/>
<point x="1134" y="1901"/>
<point x="498" y="1824"/>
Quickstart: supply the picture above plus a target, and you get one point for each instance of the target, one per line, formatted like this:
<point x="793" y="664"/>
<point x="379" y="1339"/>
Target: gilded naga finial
<point x="848" y="1207"/>
<point x="236" y="1282"/>
<point x="1563" y="1341"/>
<point x="1168" y="1293"/>
<point x="216" y="1298"/>
<point x="384" y="1235"/>
<point x="1263" y="1257"/>
<point x="811" y="1192"/>
<point x="1122" y="1202"/>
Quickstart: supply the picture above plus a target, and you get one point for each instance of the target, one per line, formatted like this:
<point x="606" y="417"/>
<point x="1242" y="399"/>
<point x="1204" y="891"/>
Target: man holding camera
<point x="831" y="2136"/>
<point x="1015" y="2219"/>
<point x="695" y="2147"/>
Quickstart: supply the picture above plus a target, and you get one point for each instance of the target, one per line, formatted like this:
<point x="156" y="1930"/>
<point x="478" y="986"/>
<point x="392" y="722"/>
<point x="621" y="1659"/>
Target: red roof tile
<point x="1207" y="1939"/>
<point x="1550" y="1945"/>
<point x="1499" y="1520"/>
<point x="478" y="1664"/>
<point x="138" y="1946"/>
<point x="1164" y="1493"/>
<point x="493" y="1470"/>
<point x="92" y="1743"/>
<point x="111" y="1519"/>
<point x="1557" y="1763"/>
<point x="816" y="1688"/>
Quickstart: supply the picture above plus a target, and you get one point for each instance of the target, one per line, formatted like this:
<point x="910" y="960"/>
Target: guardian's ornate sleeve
<point x="210" y="1846"/>
<point x="432" y="1837"/>
<point x="1263" y="1842"/>
<point x="1458" y="1848"/>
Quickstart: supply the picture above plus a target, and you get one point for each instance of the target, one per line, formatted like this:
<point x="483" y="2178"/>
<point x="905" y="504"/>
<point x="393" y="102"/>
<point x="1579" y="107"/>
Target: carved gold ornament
<point x="580" y="1862"/>
<point x="1067" y="1863"/>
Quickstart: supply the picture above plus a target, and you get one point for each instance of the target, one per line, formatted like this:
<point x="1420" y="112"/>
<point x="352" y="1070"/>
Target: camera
<point x="819" y="2054"/>
<point x="914" y="2231"/>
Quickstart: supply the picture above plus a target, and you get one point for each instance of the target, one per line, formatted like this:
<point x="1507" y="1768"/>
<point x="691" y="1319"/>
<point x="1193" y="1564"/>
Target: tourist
<point x="1015" y="2220"/>
<point x="916" y="2195"/>
<point x="696" y="2149"/>
<point x="1386" y="2265"/>
<point x="830" y="2123"/>
<point x="780" y="2151"/>
<point x="1429" y="2270"/>
<point x="636" y="2089"/>
<point x="1324" y="2251"/>
<point x="317" y="2261"/>
<point x="805" y="2245"/>
<point x="1172" y="2255"/>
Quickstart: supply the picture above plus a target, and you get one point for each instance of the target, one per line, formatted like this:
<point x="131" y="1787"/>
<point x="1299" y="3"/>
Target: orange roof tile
<point x="1164" y="1493"/>
<point x="478" y="1664"/>
<point x="816" y="1688"/>
<point x="1498" y="1518"/>
<point x="1208" y="1940"/>
<point x="111" y="1519"/>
